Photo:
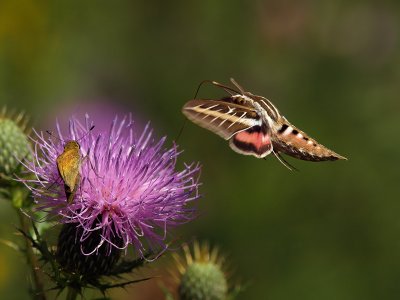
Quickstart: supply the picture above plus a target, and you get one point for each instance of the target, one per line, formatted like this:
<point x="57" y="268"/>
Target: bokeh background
<point x="330" y="231"/>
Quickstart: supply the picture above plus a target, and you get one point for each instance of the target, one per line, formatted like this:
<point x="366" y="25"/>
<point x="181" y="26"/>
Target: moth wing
<point x="254" y="141"/>
<point x="68" y="165"/>
<point x="222" y="118"/>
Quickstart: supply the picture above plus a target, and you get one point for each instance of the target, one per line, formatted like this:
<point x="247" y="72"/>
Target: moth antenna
<point x="181" y="130"/>
<point x="227" y="89"/>
<point x="284" y="162"/>
<point x="241" y="89"/>
<point x="195" y="95"/>
<point x="52" y="135"/>
<point x="91" y="128"/>
<point x="198" y="88"/>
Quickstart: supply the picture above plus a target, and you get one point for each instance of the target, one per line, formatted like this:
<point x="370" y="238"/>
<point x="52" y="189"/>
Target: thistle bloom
<point x="128" y="192"/>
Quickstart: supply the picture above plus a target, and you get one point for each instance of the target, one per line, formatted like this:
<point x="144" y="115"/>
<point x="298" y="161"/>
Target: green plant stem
<point x="72" y="293"/>
<point x="39" y="293"/>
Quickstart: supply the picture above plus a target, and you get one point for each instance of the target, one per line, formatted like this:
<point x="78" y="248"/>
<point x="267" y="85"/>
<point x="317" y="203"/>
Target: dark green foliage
<point x="75" y="274"/>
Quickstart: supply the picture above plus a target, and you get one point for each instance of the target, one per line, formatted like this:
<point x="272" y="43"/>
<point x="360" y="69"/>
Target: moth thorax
<point x="71" y="145"/>
<point x="264" y="115"/>
<point x="240" y="99"/>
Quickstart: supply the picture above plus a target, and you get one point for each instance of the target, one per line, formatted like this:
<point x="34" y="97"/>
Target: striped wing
<point x="221" y="117"/>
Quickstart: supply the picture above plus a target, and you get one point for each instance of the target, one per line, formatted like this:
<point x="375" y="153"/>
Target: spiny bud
<point x="74" y="256"/>
<point x="14" y="143"/>
<point x="203" y="281"/>
<point x="201" y="274"/>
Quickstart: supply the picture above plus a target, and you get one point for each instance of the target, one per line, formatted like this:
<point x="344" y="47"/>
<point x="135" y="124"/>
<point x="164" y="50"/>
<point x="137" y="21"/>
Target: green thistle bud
<point x="201" y="275"/>
<point x="203" y="281"/>
<point x="73" y="254"/>
<point x="14" y="143"/>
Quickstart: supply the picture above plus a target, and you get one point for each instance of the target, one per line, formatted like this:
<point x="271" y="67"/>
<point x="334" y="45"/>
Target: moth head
<point x="72" y="145"/>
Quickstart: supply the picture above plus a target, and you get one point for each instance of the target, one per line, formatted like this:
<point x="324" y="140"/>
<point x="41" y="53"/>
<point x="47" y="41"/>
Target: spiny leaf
<point x="12" y="245"/>
<point x="104" y="287"/>
<point x="129" y="266"/>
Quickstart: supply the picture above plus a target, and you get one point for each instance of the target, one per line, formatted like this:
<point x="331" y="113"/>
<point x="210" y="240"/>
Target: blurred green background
<point x="330" y="231"/>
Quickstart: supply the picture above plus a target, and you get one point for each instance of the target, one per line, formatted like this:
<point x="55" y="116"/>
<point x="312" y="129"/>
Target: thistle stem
<point x="72" y="293"/>
<point x="32" y="259"/>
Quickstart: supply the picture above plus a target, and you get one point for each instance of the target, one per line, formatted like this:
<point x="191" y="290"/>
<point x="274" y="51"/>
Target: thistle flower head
<point x="127" y="189"/>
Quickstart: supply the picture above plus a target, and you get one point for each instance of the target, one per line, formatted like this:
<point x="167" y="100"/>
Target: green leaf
<point x="19" y="197"/>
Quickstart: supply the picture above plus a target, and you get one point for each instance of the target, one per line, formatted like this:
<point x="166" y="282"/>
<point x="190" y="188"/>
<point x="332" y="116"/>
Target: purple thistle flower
<point x="129" y="191"/>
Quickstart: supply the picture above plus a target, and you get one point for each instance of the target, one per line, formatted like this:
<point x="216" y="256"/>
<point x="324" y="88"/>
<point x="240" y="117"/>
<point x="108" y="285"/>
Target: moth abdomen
<point x="294" y="142"/>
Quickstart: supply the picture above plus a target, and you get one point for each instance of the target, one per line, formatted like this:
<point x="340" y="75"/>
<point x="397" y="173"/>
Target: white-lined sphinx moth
<point x="254" y="126"/>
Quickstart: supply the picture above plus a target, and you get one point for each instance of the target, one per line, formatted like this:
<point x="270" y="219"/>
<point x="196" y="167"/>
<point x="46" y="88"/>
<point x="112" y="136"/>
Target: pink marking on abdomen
<point x="257" y="139"/>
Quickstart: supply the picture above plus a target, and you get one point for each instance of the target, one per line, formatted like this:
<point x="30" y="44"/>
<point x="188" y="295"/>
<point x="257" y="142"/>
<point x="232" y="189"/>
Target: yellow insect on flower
<point x="68" y="164"/>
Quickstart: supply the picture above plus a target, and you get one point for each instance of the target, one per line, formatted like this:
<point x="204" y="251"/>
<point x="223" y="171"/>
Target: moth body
<point x="68" y="164"/>
<point x="254" y="126"/>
